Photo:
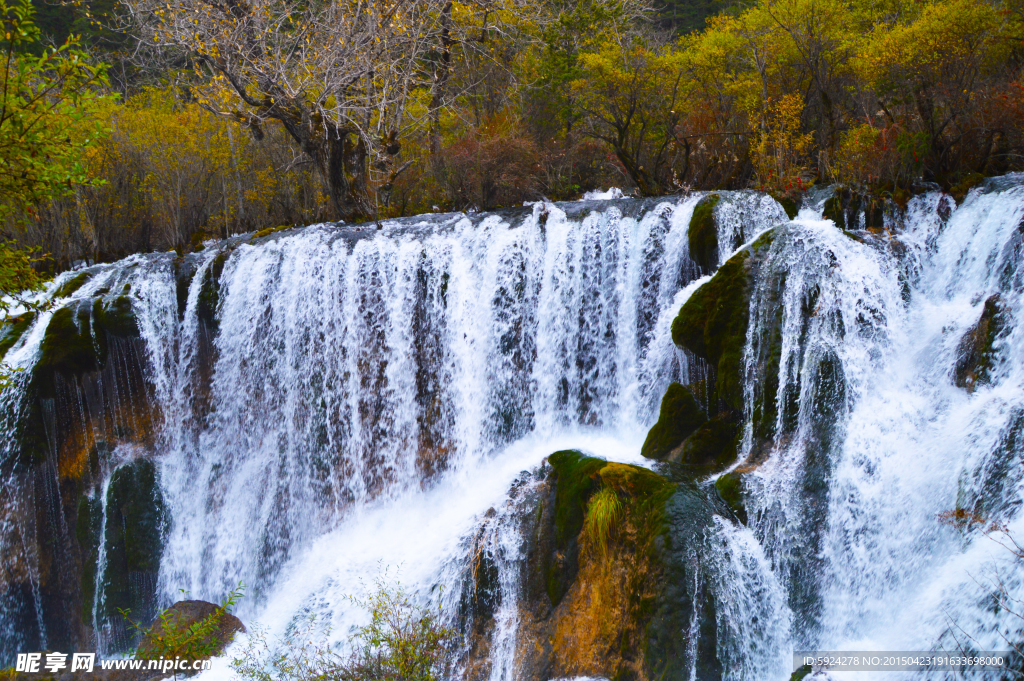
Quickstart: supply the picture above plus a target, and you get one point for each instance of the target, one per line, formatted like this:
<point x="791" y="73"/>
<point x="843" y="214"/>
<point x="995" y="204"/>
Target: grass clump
<point x="603" y="513"/>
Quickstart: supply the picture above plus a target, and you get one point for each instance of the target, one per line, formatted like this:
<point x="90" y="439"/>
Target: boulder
<point x="605" y="590"/>
<point x="171" y="626"/>
<point x="680" y="416"/>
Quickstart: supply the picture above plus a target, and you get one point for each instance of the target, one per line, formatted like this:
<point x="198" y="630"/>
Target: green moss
<point x="635" y="482"/>
<point x="788" y="204"/>
<point x="680" y="415"/>
<point x="13" y="330"/>
<point x="67" y="348"/>
<point x="703" y="234"/>
<point x="269" y="230"/>
<point x="730" y="489"/>
<point x="87" y="532"/>
<point x="209" y="293"/>
<point x="712" y="447"/>
<point x="763" y="242"/>
<point x="575" y="480"/>
<point x="75" y="341"/>
<point x="72" y="285"/>
<point x="115" y="317"/>
<point x="966" y="184"/>
<point x="134" y="535"/>
<point x="975" y="355"/>
<point x="713" y="324"/>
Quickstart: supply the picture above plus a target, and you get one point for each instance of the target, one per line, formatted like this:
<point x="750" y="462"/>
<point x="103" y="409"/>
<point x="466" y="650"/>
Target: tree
<point x="47" y="96"/>
<point x="346" y="79"/>
<point x="47" y="106"/>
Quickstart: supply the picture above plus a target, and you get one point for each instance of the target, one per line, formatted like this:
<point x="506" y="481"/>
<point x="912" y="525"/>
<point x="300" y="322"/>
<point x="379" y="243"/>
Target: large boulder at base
<point x="183" y="615"/>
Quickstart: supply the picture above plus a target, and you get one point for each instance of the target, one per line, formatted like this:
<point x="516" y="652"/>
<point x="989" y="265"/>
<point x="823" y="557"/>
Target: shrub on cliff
<point x="404" y="641"/>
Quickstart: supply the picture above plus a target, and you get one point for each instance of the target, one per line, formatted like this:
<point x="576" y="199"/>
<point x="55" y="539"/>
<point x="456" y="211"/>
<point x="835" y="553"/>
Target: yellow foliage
<point x="781" y="147"/>
<point x="945" y="37"/>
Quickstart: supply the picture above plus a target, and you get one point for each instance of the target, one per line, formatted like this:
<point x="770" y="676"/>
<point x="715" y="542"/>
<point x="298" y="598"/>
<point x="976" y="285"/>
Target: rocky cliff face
<point x="611" y="584"/>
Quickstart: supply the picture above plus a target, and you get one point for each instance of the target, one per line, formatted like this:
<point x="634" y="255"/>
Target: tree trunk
<point x="343" y="163"/>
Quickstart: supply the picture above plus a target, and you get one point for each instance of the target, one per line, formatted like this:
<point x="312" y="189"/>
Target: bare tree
<point x="345" y="79"/>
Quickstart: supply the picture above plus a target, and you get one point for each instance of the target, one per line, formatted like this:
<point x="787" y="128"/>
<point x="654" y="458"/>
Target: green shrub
<point x="403" y="642"/>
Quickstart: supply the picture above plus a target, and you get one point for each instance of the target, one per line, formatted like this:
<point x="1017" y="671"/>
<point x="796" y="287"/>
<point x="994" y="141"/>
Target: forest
<point x="140" y="125"/>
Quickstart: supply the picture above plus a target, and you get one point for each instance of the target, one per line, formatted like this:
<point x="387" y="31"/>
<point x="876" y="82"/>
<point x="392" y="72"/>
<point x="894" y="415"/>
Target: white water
<point x="372" y="399"/>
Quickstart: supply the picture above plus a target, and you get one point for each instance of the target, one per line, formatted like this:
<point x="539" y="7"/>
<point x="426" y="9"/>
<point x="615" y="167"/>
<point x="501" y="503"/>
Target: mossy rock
<point x="964" y="185"/>
<point x="170" y="633"/>
<point x="576" y="478"/>
<point x="975" y="354"/>
<point x="730" y="488"/>
<point x="209" y="293"/>
<point x="788" y="203"/>
<point x="268" y="231"/>
<point x="712" y="447"/>
<point x="68" y="348"/>
<point x="712" y="324"/>
<point x="115" y="317"/>
<point x="87" y="531"/>
<point x="680" y="415"/>
<point x="703" y="233"/>
<point x="75" y="342"/>
<point x="136" y="523"/>
<point x="845" y="206"/>
<point x="72" y="285"/>
<point x="13" y="330"/>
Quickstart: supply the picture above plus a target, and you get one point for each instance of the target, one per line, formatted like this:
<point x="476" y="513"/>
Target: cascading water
<point x="330" y="403"/>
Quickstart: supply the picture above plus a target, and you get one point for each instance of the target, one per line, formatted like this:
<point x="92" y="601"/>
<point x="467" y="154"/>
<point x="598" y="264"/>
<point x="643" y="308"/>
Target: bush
<point x="174" y="636"/>
<point x="403" y="642"/>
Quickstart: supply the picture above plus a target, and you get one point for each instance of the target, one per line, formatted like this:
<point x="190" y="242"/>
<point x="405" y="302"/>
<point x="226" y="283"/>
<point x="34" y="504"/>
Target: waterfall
<point x="327" y="404"/>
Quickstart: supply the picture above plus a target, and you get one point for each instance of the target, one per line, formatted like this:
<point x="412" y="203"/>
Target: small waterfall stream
<point x="327" y="404"/>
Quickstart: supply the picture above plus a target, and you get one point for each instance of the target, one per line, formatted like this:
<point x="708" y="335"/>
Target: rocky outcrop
<point x="679" y="417"/>
<point x="703" y="434"/>
<point x="703" y="233"/>
<point x="976" y="355"/>
<point x="846" y="206"/>
<point x="605" y="585"/>
<point x="86" y="395"/>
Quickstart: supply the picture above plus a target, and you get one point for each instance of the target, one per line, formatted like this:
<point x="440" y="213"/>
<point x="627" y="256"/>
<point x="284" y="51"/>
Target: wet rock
<point x="711" y="447"/>
<point x="712" y="324"/>
<point x="703" y="233"/>
<point x="847" y="205"/>
<point x="598" y="571"/>
<point x="730" y="488"/>
<point x="135" y="527"/>
<point x="13" y="329"/>
<point x="71" y="285"/>
<point x="976" y="355"/>
<point x="680" y="415"/>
